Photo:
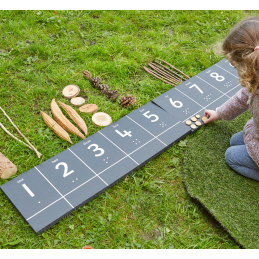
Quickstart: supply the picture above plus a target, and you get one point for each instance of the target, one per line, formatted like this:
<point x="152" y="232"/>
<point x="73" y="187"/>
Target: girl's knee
<point x="229" y="156"/>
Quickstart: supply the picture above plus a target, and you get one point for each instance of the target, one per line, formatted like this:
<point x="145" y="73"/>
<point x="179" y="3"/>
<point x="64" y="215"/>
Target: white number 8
<point x="217" y="76"/>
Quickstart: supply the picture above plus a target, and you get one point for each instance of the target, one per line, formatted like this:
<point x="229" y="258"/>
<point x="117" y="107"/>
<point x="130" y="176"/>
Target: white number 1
<point x="197" y="87"/>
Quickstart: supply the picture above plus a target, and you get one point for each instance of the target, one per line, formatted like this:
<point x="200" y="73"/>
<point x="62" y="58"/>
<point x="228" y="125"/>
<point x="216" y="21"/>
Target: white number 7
<point x="197" y="87"/>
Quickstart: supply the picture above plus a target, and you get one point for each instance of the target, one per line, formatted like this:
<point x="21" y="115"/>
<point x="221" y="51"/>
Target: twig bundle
<point x="10" y="134"/>
<point x="165" y="74"/>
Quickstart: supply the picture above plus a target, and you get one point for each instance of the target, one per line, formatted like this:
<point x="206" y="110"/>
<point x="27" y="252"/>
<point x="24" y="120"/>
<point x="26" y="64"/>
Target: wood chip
<point x="87" y="247"/>
<point x="204" y="118"/>
<point x="193" y="126"/>
<point x="197" y="123"/>
<point x="77" y="101"/>
<point x="188" y="122"/>
<point x="7" y="168"/>
<point x="89" y="108"/>
<point x="197" y="116"/>
<point x="71" y="91"/>
<point x="193" y="119"/>
<point x="101" y="119"/>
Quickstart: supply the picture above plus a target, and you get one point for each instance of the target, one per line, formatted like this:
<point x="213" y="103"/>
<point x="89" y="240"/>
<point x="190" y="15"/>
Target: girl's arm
<point x="232" y="108"/>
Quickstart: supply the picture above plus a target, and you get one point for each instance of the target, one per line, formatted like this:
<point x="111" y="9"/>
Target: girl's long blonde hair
<point x="238" y="48"/>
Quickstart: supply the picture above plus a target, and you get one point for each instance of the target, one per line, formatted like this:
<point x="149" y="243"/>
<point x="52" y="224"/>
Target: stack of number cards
<point x="53" y="189"/>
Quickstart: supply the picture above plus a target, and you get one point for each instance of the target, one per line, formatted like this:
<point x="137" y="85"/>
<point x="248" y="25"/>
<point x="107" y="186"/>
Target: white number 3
<point x="96" y="149"/>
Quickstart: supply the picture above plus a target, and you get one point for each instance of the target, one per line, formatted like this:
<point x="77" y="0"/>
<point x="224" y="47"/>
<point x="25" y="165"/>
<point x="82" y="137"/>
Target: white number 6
<point x="174" y="103"/>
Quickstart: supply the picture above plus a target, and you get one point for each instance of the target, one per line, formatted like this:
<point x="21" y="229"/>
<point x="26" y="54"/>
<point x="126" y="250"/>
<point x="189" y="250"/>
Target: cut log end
<point x="89" y="108"/>
<point x="101" y="119"/>
<point x="71" y="91"/>
<point x="77" y="101"/>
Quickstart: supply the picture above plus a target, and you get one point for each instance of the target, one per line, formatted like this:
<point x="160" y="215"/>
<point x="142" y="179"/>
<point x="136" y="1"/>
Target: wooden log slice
<point x="89" y="108"/>
<point x="7" y="168"/>
<point x="77" y="101"/>
<point x="101" y="119"/>
<point x="71" y="91"/>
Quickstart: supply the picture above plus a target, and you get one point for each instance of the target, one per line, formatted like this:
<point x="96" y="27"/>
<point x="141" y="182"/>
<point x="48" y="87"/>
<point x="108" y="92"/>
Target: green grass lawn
<point x="43" y="51"/>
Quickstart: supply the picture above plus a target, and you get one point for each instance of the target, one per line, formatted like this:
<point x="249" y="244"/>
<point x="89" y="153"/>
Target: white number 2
<point x="96" y="149"/>
<point x="174" y="103"/>
<point x="65" y="169"/>
<point x="151" y="115"/>
<point x="197" y="87"/>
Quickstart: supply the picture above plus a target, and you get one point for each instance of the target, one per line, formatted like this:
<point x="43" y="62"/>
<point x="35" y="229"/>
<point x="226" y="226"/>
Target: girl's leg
<point x="237" y="139"/>
<point x="240" y="161"/>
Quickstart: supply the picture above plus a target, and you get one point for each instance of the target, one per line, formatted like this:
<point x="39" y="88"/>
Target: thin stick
<point x="175" y="68"/>
<point x="158" y="76"/>
<point x="10" y="134"/>
<point x="32" y="147"/>
<point x="161" y="76"/>
<point x="169" y="70"/>
<point x="162" y="79"/>
<point x="163" y="73"/>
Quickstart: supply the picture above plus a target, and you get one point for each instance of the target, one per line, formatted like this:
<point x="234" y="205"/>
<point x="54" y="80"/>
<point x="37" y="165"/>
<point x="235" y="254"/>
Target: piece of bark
<point x="89" y="108"/>
<point x="87" y="247"/>
<point x="101" y="119"/>
<point x="77" y="101"/>
<point x="7" y="168"/>
<point x="71" y="91"/>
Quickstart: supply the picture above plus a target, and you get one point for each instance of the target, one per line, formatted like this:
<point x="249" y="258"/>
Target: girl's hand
<point x="211" y="115"/>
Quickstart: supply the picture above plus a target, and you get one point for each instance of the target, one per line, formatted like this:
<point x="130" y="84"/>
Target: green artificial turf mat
<point x="231" y="198"/>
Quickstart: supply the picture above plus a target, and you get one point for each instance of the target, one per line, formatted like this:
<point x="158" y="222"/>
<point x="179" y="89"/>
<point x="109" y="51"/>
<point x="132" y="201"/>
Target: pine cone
<point x="104" y="88"/>
<point x="127" y="101"/>
<point x="87" y="74"/>
<point x="112" y="94"/>
<point x="95" y="81"/>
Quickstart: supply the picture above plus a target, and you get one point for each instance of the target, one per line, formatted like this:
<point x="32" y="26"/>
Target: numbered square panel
<point x="175" y="133"/>
<point x="225" y="64"/>
<point x="219" y="78"/>
<point x="86" y="192"/>
<point x="97" y="152"/>
<point x="153" y="118"/>
<point x="199" y="91"/>
<point x="65" y="171"/>
<point x="177" y="104"/>
<point x="234" y="90"/>
<point x="30" y="193"/>
<point x="118" y="171"/>
<point x="48" y="216"/>
<point x="126" y="134"/>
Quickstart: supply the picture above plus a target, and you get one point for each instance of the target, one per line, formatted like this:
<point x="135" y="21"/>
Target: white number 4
<point x="197" y="87"/>
<point x="151" y="115"/>
<point x="126" y="133"/>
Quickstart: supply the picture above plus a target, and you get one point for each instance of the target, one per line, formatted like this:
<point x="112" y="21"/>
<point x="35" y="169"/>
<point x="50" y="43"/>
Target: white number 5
<point x="151" y="115"/>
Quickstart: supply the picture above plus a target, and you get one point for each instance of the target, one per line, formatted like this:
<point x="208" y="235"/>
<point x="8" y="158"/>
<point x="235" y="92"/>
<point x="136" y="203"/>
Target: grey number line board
<point x="52" y="190"/>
